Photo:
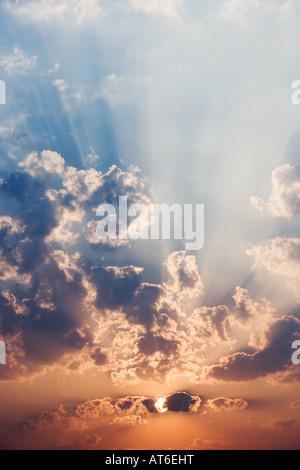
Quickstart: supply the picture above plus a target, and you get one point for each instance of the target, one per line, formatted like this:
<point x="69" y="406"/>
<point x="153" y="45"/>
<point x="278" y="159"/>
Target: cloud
<point x="182" y="402"/>
<point x="95" y="408"/>
<point x="168" y="8"/>
<point x="295" y="404"/>
<point x="47" y="163"/>
<point x="226" y="404"/>
<point x="206" y="444"/>
<point x="279" y="256"/>
<point x="128" y="421"/>
<point x="54" y="421"/>
<point x="187" y="281"/>
<point x="136" y="406"/>
<point x="77" y="313"/>
<point x="285" y="196"/>
<point x="4" y="131"/>
<point x="18" y="62"/>
<point x="240" y="10"/>
<point x="127" y="411"/>
<point x="210" y="326"/>
<point x="287" y="424"/>
<point x="48" y="11"/>
<point x="90" y="441"/>
<point x="129" y="405"/>
<point x="275" y="357"/>
<point x="61" y="84"/>
<point x="49" y="206"/>
<point x="91" y="159"/>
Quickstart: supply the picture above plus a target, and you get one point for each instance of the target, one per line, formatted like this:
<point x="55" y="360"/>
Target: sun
<point x="160" y="405"/>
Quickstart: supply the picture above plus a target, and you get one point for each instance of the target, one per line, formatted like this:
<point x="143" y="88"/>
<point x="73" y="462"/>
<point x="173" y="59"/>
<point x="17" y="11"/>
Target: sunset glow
<point x="149" y="225"/>
<point x="160" y="405"/>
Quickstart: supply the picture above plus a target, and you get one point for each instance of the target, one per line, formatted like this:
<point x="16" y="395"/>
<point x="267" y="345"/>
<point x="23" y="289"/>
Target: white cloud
<point x="5" y="131"/>
<point x="82" y="183"/>
<point x="47" y="162"/>
<point x="170" y="8"/>
<point x="18" y="62"/>
<point x="184" y="271"/>
<point x="226" y="404"/>
<point x="61" y="84"/>
<point x="92" y="158"/>
<point x="280" y="256"/>
<point x="46" y="11"/>
<point x="55" y="68"/>
<point x="285" y="197"/>
<point x="238" y="9"/>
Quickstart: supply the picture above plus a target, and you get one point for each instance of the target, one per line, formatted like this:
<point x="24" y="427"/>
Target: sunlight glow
<point x="160" y="405"/>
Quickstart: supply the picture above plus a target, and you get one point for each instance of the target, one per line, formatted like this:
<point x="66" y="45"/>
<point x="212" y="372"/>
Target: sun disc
<point x="160" y="405"/>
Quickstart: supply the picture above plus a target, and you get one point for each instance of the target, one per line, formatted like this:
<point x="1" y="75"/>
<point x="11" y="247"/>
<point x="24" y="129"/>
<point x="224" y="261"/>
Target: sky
<point x="141" y="344"/>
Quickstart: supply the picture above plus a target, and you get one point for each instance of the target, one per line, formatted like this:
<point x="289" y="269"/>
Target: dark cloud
<point x="274" y="358"/>
<point x="57" y="300"/>
<point x="143" y="306"/>
<point x="182" y="402"/>
<point x="98" y="356"/>
<point x="44" y="289"/>
<point x="149" y="403"/>
<point x="115" y="287"/>
<point x="151" y="344"/>
<point x="134" y="408"/>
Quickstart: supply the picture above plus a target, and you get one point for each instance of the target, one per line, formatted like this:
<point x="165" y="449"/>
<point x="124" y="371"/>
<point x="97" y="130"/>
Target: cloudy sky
<point x="116" y="344"/>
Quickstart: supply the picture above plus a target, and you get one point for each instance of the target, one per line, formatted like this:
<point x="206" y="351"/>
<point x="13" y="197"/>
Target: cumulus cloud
<point x="76" y="313"/>
<point x="54" y="421"/>
<point x="226" y="404"/>
<point x="45" y="200"/>
<point x="275" y="357"/>
<point x="47" y="163"/>
<point x="285" y="196"/>
<point x="128" y="421"/>
<point x="208" y="325"/>
<point x="89" y="442"/>
<point x="134" y="406"/>
<point x="279" y="256"/>
<point x="95" y="408"/>
<point x="18" y="62"/>
<point x="127" y="411"/>
<point x="183" y="269"/>
<point x="183" y="402"/>
<point x="211" y="325"/>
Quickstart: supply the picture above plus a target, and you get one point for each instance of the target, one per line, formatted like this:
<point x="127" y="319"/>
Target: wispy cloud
<point x="18" y="62"/>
